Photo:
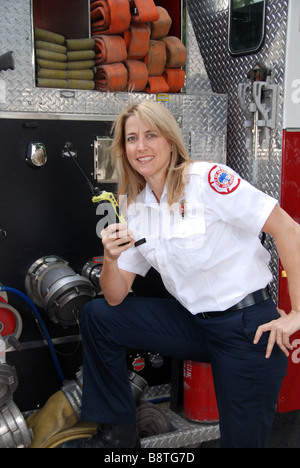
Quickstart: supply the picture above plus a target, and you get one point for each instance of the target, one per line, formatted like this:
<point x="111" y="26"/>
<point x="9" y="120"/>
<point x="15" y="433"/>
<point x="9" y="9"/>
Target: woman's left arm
<point x="286" y="234"/>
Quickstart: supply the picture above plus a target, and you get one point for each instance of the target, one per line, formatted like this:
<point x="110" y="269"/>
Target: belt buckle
<point x="205" y="315"/>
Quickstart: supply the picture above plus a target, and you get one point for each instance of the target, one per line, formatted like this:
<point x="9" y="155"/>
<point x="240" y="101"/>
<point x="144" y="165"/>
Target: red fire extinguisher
<point x="199" y="393"/>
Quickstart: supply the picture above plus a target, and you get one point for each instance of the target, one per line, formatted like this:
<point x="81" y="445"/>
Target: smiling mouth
<point x="145" y="158"/>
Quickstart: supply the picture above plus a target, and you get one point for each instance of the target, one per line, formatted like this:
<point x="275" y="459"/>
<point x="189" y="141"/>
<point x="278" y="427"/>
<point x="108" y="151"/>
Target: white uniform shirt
<point x="210" y="258"/>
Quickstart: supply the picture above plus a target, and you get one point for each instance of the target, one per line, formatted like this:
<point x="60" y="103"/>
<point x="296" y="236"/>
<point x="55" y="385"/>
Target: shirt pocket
<point x="185" y="245"/>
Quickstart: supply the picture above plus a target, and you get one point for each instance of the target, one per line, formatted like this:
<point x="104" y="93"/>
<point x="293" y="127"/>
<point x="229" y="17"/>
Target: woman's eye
<point x="131" y="138"/>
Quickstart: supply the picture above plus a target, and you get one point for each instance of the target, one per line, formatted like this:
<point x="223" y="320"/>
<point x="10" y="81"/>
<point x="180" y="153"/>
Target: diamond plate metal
<point x="201" y="113"/>
<point x="225" y="72"/>
<point x="184" y="433"/>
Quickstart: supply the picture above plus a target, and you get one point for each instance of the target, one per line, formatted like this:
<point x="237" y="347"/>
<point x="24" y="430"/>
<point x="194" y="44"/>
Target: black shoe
<point x="108" y="436"/>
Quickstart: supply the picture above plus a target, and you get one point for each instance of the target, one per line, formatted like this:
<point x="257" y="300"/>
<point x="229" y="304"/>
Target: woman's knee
<point x="95" y="311"/>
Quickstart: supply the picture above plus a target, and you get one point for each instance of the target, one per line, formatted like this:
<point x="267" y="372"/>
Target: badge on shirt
<point x="222" y="181"/>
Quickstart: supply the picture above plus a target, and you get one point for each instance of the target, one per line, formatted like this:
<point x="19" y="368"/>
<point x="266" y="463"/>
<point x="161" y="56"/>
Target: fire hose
<point x="161" y="27"/>
<point x="156" y="84"/>
<point x="59" y="419"/>
<point x="137" y="75"/>
<point x="176" y="52"/>
<point x="143" y="28"/>
<point x="110" y="49"/>
<point x="110" y="16"/>
<point x="111" y="77"/>
<point x="144" y="11"/>
<point x="156" y="58"/>
<point x="175" y="79"/>
<point x="137" y="41"/>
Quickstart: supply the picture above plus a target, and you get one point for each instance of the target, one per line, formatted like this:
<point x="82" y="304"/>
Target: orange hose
<point x="146" y="11"/>
<point x="156" y="84"/>
<point x="110" y="49"/>
<point x="137" y="75"/>
<point x="176" y="52"/>
<point x="137" y="41"/>
<point x="156" y="58"/>
<point x="110" y="16"/>
<point x="111" y="77"/>
<point x="174" y="78"/>
<point x="161" y="27"/>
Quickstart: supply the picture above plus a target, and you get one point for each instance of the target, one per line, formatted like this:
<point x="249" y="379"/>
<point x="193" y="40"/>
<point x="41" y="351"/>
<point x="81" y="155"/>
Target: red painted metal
<point x="199" y="393"/>
<point x="7" y="320"/>
<point x="289" y="398"/>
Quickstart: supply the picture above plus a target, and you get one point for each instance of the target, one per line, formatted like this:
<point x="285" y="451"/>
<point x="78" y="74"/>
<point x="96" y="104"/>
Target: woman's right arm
<point x="115" y="283"/>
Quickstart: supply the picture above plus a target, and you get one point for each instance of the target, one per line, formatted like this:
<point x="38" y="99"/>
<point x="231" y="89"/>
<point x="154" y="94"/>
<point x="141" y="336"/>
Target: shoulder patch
<point x="223" y="181"/>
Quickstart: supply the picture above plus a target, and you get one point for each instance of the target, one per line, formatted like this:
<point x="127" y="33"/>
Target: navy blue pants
<point x="247" y="384"/>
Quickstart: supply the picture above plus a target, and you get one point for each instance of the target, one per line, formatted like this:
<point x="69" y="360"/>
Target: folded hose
<point x="137" y="39"/>
<point x="80" y="65"/>
<point x="176" y="52"/>
<point x="156" y="58"/>
<point x="48" y="36"/>
<point x="110" y="49"/>
<point x="50" y="46"/>
<point x="111" y="77"/>
<point x="156" y="84"/>
<point x="175" y="78"/>
<point x="78" y="55"/>
<point x="137" y="75"/>
<point x="144" y="11"/>
<point x="161" y="27"/>
<point x="51" y="64"/>
<point x="81" y="84"/>
<point x="51" y="83"/>
<point x="80" y="44"/>
<point x="151" y="420"/>
<point x="110" y="16"/>
<point x="48" y="55"/>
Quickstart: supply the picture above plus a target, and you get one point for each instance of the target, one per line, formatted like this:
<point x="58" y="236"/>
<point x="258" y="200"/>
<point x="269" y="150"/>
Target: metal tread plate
<point x="185" y="433"/>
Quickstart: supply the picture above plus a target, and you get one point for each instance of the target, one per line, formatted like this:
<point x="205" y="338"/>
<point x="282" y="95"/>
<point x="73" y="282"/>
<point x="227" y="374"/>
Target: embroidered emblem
<point x="222" y="181"/>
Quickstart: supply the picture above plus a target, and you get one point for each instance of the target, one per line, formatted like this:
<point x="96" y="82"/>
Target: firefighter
<point x="198" y="224"/>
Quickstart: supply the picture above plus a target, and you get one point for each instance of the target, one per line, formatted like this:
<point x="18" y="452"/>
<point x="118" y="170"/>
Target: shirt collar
<point x="150" y="199"/>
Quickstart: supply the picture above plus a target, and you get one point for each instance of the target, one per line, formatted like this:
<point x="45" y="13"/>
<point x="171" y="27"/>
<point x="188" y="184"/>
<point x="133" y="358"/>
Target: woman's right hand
<point x="116" y="238"/>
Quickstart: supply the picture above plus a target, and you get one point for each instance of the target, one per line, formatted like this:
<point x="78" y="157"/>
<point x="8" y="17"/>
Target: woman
<point x="198" y="224"/>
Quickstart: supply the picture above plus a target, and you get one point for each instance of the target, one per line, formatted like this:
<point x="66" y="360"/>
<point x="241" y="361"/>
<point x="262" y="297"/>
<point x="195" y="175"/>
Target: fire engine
<point x="236" y="97"/>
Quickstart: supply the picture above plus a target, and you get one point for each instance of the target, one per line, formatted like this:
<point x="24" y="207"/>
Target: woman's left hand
<point x="280" y="331"/>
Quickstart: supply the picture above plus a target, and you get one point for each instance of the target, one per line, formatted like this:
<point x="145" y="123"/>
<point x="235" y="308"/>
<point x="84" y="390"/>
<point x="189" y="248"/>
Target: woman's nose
<point x="142" y="143"/>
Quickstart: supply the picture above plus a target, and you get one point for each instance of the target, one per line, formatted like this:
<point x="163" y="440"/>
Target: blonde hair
<point x="160" y="119"/>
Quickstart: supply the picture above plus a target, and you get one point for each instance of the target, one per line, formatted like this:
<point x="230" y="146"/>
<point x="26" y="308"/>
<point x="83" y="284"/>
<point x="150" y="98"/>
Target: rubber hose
<point x="175" y="79"/>
<point x="156" y="84"/>
<point x="156" y="58"/>
<point x="42" y="325"/>
<point x="162" y="26"/>
<point x="110" y="16"/>
<point x="146" y="11"/>
<point x="111" y="77"/>
<point x="137" y="39"/>
<point x="110" y="49"/>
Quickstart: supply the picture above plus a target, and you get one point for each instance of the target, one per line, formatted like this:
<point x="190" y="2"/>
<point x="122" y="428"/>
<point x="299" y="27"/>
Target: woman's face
<point x="148" y="152"/>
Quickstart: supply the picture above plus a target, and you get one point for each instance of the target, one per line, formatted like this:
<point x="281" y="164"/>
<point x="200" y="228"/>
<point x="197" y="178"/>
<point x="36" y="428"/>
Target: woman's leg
<point x="160" y="325"/>
<point x="247" y="384"/>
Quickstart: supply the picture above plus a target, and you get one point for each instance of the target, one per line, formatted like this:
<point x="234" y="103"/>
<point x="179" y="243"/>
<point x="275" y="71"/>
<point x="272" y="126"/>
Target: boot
<point x="108" y="436"/>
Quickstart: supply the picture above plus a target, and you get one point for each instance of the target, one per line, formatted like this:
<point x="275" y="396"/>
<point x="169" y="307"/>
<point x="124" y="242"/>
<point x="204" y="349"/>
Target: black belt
<point x="251" y="299"/>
